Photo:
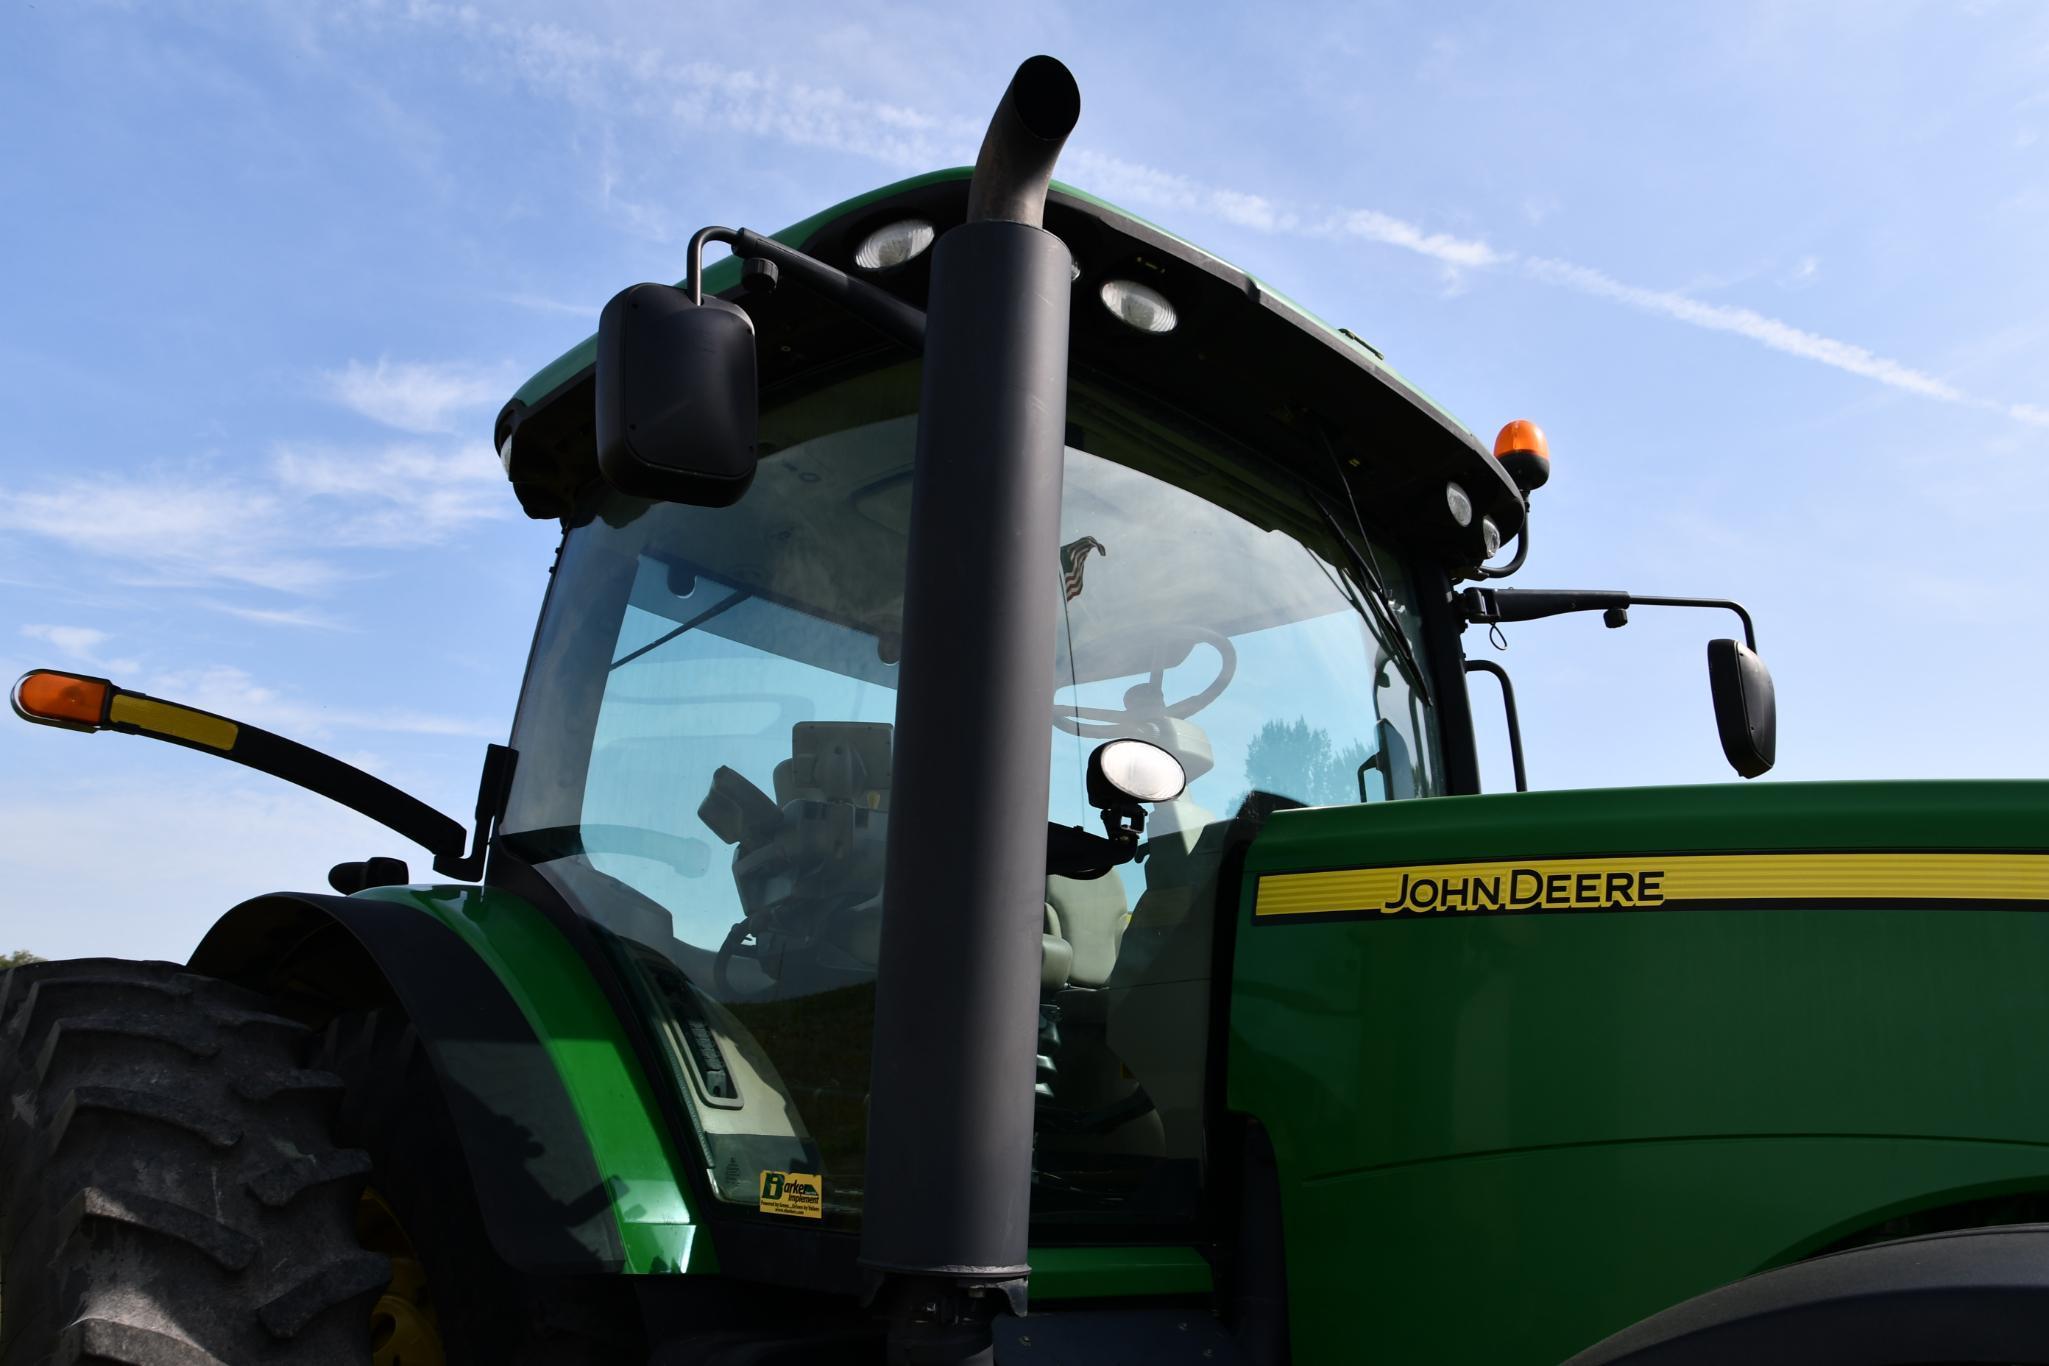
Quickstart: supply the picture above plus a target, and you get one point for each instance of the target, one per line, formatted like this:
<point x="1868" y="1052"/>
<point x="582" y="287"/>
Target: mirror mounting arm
<point x="493" y="787"/>
<point x="1522" y="551"/>
<point x="878" y="308"/>
<point x="1074" y="852"/>
<point x="1489" y="606"/>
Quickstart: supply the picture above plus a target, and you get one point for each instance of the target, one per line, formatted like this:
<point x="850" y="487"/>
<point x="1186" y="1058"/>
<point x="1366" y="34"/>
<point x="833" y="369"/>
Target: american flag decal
<point x="1073" y="556"/>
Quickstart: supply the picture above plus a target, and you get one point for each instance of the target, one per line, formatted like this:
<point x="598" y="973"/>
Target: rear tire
<point x="169" y="1191"/>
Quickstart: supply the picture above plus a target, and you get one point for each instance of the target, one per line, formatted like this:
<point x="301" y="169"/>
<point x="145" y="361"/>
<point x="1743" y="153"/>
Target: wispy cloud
<point x="418" y="396"/>
<point x="273" y="616"/>
<point x="1744" y="322"/>
<point x="616" y="79"/>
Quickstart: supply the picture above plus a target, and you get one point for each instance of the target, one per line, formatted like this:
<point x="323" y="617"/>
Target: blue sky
<point x="1769" y="274"/>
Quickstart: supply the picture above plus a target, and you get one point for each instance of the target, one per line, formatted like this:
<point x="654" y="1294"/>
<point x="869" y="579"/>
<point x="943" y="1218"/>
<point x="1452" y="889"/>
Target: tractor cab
<point x="1254" y="554"/>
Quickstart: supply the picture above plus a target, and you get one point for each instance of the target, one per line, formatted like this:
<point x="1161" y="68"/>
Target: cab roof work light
<point x="81" y="702"/>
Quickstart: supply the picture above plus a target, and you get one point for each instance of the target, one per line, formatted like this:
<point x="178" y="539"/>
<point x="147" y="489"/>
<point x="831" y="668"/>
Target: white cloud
<point x="1747" y="323"/>
<point x="76" y="641"/>
<point x="80" y="644"/>
<point x="230" y="691"/>
<point x="197" y="527"/>
<point x="397" y="496"/>
<point x="417" y="396"/>
<point x="2032" y="414"/>
<point x="176" y="529"/>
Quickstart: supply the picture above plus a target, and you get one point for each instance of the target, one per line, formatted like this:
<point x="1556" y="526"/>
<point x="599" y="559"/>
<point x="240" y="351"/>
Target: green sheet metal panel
<point x="611" y="1092"/>
<point x="1503" y="1136"/>
<point x="1073" y="1273"/>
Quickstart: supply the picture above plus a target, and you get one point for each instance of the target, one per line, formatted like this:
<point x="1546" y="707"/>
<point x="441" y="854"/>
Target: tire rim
<point x="403" y="1328"/>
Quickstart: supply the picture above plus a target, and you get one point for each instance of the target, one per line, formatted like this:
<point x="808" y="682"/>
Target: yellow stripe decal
<point x="1650" y="882"/>
<point x="180" y="723"/>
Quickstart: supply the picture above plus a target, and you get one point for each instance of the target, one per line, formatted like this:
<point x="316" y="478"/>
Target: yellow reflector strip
<point x="180" y="723"/>
<point x="1647" y="882"/>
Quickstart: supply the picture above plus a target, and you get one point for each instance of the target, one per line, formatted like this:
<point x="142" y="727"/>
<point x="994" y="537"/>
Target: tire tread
<point x="170" y="1190"/>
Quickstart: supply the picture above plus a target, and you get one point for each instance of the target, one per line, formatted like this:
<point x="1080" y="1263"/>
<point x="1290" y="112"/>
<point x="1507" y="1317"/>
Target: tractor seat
<point x="1084" y="927"/>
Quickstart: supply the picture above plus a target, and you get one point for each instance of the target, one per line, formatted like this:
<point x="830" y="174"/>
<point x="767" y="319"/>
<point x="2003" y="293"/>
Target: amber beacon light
<point x="1524" y="454"/>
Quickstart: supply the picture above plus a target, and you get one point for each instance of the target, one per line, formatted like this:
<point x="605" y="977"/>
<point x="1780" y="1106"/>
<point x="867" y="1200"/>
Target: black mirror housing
<point x="677" y="409"/>
<point x="1746" y="711"/>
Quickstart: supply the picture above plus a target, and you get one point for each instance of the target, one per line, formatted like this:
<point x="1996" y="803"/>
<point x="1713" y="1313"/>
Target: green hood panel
<point x="1577" y="1115"/>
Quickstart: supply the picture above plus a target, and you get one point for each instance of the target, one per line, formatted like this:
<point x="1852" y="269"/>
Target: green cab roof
<point x="1287" y="386"/>
<point x="724" y="274"/>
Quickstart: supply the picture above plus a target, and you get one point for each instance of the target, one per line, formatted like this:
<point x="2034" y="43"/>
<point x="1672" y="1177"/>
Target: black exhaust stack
<point x="944" y="1232"/>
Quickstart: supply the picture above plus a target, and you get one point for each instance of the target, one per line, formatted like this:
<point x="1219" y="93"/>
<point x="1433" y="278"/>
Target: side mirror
<point x="1390" y="759"/>
<point x="1746" y="711"/>
<point x="676" y="403"/>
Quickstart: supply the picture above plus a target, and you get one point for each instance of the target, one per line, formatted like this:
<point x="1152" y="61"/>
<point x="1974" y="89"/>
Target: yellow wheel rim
<point x="403" y="1329"/>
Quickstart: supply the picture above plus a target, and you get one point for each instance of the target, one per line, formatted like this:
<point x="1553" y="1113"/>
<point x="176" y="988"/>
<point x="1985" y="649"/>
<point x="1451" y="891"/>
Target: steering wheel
<point x="1147" y="701"/>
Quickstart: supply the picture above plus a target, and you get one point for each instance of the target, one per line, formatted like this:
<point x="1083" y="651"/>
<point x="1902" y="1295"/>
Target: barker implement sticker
<point x="798" y="1193"/>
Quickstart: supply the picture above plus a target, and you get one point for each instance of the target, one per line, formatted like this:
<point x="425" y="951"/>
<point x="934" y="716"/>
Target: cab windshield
<point x="704" y="768"/>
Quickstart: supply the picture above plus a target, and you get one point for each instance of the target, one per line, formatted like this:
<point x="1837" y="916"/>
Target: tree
<point x="17" y="958"/>
<point x="1295" y="759"/>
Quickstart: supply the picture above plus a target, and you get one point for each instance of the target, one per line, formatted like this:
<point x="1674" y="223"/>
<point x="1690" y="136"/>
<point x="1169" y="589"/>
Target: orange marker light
<point x="56" y="699"/>
<point x="1524" y="454"/>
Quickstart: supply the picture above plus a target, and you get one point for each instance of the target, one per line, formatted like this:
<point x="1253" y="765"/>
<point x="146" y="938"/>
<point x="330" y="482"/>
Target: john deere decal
<point x="1656" y="883"/>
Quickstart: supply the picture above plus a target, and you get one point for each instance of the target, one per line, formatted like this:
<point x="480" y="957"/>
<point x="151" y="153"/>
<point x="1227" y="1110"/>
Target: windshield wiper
<point x="700" y="619"/>
<point x="1376" y="604"/>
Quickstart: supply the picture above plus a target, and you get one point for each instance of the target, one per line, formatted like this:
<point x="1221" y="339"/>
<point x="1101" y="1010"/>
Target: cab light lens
<point x="56" y="699"/>
<point x="1490" y="538"/>
<point x="894" y="244"/>
<point x="1142" y="771"/>
<point x="1457" y="501"/>
<point x="1139" y="306"/>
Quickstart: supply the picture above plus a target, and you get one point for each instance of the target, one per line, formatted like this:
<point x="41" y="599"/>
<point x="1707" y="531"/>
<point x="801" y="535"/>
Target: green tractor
<point x="994" y="807"/>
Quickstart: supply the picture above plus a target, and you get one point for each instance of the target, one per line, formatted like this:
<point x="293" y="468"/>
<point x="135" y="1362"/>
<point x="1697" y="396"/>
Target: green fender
<point x="515" y="1023"/>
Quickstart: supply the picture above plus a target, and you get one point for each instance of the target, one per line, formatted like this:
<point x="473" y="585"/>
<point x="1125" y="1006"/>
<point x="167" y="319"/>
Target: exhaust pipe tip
<point x="1030" y="126"/>
<point x="1046" y="98"/>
